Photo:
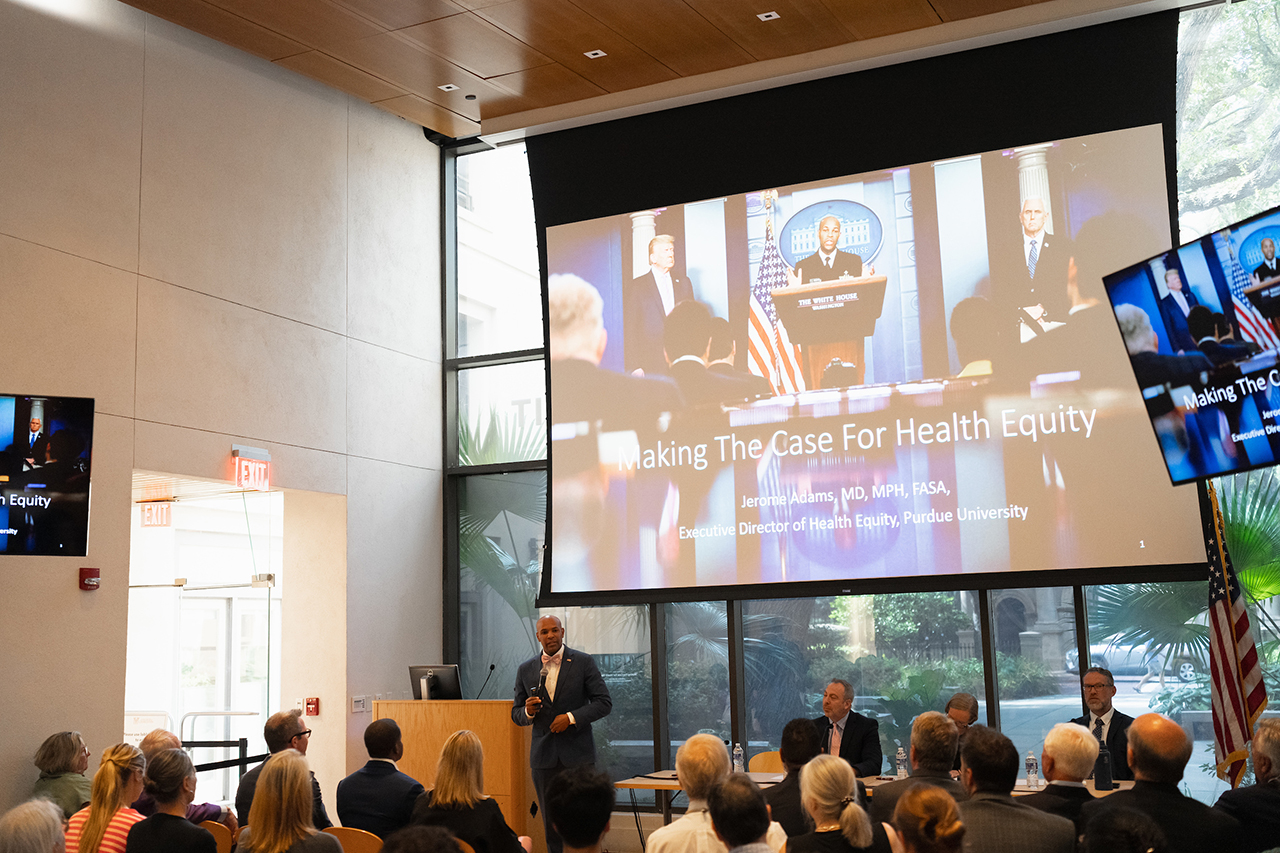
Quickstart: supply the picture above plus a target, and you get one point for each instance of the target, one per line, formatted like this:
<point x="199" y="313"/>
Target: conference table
<point x="664" y="783"/>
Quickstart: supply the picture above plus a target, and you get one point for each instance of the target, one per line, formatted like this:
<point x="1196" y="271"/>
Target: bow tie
<point x="548" y="658"/>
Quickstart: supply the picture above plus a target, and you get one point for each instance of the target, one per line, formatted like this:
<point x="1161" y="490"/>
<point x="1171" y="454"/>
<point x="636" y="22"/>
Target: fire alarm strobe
<point x="90" y="578"/>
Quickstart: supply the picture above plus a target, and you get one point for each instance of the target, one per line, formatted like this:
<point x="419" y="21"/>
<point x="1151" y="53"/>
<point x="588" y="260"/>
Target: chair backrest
<point x="766" y="762"/>
<point x="221" y="835"/>
<point x="355" y="840"/>
<point x="464" y="846"/>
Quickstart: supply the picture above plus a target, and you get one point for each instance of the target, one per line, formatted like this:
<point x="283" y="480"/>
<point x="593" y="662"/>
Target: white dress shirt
<point x="666" y="290"/>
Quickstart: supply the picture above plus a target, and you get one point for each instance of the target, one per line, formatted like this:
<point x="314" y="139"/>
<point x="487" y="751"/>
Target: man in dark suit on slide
<point x="647" y="302"/>
<point x="378" y="798"/>
<point x="847" y="733"/>
<point x="829" y="263"/>
<point x="561" y="705"/>
<point x="1035" y="290"/>
<point x="1174" y="308"/>
<point x="1103" y="721"/>
<point x="1270" y="267"/>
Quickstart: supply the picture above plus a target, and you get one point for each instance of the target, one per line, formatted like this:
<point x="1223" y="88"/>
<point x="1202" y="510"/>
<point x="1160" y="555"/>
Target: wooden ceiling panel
<point x="544" y="86"/>
<point x="430" y="115"/>
<point x="959" y="10"/>
<point x="868" y="19"/>
<point x="671" y="32"/>
<point x="317" y="23"/>
<point x="565" y="33"/>
<point x="221" y="25"/>
<point x="396" y="14"/>
<point x="804" y="25"/>
<point x="476" y="45"/>
<point x="353" y="81"/>
<point x="407" y="65"/>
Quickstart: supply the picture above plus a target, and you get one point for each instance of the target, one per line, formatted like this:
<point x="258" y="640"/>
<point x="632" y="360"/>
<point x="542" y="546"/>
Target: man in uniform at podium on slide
<point x="560" y="693"/>
<point x="828" y="263"/>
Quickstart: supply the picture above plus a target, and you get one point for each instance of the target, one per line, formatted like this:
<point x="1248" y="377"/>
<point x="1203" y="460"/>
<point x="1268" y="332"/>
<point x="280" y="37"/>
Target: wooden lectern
<point x="425" y="725"/>
<point x="830" y="319"/>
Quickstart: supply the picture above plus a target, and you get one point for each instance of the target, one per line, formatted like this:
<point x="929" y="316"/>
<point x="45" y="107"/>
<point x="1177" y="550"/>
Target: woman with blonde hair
<point x="458" y="802"/>
<point x="103" y="826"/>
<point x="280" y="817"/>
<point x="928" y="821"/>
<point x="828" y="792"/>
<point x="63" y="758"/>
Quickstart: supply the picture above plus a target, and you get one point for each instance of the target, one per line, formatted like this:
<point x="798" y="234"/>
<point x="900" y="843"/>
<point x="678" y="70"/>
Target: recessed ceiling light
<point x="471" y="97"/>
<point x="594" y="54"/>
<point x="448" y="87"/>
<point x="768" y="16"/>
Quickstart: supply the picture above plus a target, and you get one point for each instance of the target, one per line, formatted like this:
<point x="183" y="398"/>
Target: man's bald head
<point x="1159" y="749"/>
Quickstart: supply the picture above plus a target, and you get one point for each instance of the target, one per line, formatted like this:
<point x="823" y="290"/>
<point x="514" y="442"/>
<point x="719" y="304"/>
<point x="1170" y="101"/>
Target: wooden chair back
<point x="355" y="840"/>
<point x="221" y="835"/>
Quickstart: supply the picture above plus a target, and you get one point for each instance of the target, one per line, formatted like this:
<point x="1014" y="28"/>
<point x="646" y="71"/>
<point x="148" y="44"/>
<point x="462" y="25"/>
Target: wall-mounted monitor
<point x="436" y="681"/>
<point x="910" y="372"/>
<point x="1201" y="324"/>
<point x="46" y="447"/>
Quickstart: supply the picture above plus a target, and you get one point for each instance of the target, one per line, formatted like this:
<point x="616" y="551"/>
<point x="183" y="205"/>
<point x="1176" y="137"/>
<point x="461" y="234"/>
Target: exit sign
<point x="253" y="474"/>
<point x="157" y="514"/>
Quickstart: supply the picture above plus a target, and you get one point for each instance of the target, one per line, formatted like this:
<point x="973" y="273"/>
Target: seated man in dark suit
<point x="847" y="733"/>
<point x="1103" y="721"/>
<point x="1159" y="750"/>
<point x="1203" y="326"/>
<point x="933" y="744"/>
<point x="724" y="351"/>
<point x="1257" y="806"/>
<point x="687" y="341"/>
<point x="1150" y="366"/>
<point x="800" y="742"/>
<point x="1066" y="761"/>
<point x="829" y="263"/>
<point x="378" y="798"/>
<point x="994" y="821"/>
<point x="283" y="730"/>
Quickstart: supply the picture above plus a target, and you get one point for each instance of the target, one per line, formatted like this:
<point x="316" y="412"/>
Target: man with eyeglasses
<point x="282" y="731"/>
<point x="1104" y="722"/>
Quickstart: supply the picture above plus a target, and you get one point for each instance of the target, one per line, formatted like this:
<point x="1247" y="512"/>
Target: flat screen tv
<point x="944" y="399"/>
<point x="44" y="474"/>
<point x="436" y="681"/>
<point x="1201" y="325"/>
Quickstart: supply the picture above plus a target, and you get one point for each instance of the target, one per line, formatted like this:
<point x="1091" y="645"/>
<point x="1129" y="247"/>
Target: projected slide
<point x="45" y="450"/>
<point x="1200" y="326"/>
<point x="908" y="372"/>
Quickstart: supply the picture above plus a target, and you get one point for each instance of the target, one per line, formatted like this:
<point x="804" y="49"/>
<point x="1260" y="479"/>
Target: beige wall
<point x="218" y="251"/>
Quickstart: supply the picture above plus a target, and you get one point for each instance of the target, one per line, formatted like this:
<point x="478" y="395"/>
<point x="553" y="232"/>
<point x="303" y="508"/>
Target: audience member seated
<point x="847" y="733"/>
<point x="739" y="815"/>
<point x="103" y="826"/>
<point x="1204" y="329"/>
<point x="1158" y="753"/>
<point x="1227" y="334"/>
<point x="800" y="743"/>
<point x="280" y="820"/>
<point x="927" y="820"/>
<point x="458" y="802"/>
<point x="687" y="342"/>
<point x="1123" y="830"/>
<point x="994" y="821"/>
<point x="723" y="354"/>
<point x="170" y="783"/>
<point x="579" y="802"/>
<point x="421" y="839"/>
<point x="933" y="747"/>
<point x="153" y="744"/>
<point x="378" y="798"/>
<point x="33" y="827"/>
<point x="962" y="708"/>
<point x="702" y="762"/>
<point x="63" y="758"/>
<point x="1150" y="366"/>
<point x="1257" y="806"/>
<point x="840" y="824"/>
<point x="282" y="731"/>
<point x="1066" y="761"/>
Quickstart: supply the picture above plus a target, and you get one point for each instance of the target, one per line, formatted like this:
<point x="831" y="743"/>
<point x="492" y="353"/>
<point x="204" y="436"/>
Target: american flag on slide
<point x="1239" y="696"/>
<point x="771" y="353"/>
<point x="1252" y="324"/>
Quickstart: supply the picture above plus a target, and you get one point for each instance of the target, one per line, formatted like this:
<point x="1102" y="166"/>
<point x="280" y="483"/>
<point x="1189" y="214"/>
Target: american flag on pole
<point x="771" y="353"/>
<point x="1239" y="696"/>
<point x="1253" y="325"/>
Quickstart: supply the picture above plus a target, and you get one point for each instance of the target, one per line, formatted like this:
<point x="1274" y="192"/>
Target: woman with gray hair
<point x="63" y="758"/>
<point x="33" y="827"/>
<point x="828" y="793"/>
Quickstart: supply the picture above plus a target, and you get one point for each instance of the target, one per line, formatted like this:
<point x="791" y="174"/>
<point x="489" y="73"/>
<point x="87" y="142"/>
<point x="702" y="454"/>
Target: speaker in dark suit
<point x="643" y="311"/>
<point x="1175" y="321"/>
<point x="814" y="267"/>
<point x="561" y="708"/>
<point x="859" y="735"/>
<point x="1018" y="287"/>
<point x="1270" y="267"/>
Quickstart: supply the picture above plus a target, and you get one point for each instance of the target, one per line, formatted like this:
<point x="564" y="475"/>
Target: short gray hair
<point x="1135" y="327"/>
<point x="575" y="316"/>
<point x="1266" y="741"/>
<point x="33" y="827"/>
<point x="1073" y="749"/>
<point x="848" y="688"/>
<point x="934" y="737"/>
<point x="702" y="762"/>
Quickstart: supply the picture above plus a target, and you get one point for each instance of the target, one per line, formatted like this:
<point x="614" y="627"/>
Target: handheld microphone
<point x="486" y="680"/>
<point x="542" y="683"/>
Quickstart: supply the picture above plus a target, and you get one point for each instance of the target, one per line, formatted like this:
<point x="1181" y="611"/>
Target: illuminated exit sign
<point x="156" y="514"/>
<point x="252" y="468"/>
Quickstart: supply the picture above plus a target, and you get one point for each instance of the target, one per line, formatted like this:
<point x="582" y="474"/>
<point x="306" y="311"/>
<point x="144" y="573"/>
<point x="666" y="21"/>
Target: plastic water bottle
<point x="902" y="763"/>
<point x="1033" y="771"/>
<point x="738" y="764"/>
